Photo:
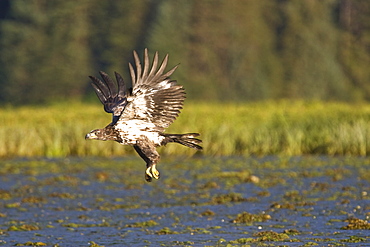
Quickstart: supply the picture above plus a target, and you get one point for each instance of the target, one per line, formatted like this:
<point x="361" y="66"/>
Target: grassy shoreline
<point x="265" y="128"/>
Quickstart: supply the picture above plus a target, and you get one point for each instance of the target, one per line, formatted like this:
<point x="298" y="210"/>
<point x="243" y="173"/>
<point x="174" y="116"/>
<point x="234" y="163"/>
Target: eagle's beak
<point x="90" y="136"/>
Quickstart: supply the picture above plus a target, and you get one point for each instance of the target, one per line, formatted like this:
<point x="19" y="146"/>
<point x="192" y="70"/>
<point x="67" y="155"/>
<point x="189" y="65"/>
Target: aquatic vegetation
<point x="202" y="201"/>
<point x="4" y="195"/>
<point x="291" y="232"/>
<point x="63" y="195"/>
<point x="242" y="241"/>
<point x="165" y="231"/>
<point x="208" y="213"/>
<point x="29" y="243"/>
<point x="271" y="236"/>
<point x="77" y="225"/>
<point x="264" y="236"/>
<point x="354" y="239"/>
<point x="249" y="218"/>
<point x="227" y="198"/>
<point x="356" y="224"/>
<point x="33" y="199"/>
<point x="24" y="227"/>
<point x="93" y="244"/>
<point x="148" y="223"/>
<point x="12" y="205"/>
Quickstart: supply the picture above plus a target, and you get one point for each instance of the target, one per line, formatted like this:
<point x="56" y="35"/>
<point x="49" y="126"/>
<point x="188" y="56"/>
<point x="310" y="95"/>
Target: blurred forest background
<point x="235" y="50"/>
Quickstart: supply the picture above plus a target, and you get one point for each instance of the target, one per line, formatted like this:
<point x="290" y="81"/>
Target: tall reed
<point x="283" y="127"/>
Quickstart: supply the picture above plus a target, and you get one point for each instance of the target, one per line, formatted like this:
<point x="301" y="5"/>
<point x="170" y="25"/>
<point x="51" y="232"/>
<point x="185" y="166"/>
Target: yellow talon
<point x="151" y="172"/>
<point x="155" y="172"/>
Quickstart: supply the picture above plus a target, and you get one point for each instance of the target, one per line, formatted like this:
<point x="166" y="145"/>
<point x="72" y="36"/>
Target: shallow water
<point x="201" y="201"/>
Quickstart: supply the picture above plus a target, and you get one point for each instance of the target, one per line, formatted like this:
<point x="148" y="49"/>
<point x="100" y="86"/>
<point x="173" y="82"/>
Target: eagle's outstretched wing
<point x="113" y="96"/>
<point x="155" y="97"/>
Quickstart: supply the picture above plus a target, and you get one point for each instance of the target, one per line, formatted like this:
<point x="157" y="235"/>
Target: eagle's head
<point x="109" y="133"/>
<point x="98" y="134"/>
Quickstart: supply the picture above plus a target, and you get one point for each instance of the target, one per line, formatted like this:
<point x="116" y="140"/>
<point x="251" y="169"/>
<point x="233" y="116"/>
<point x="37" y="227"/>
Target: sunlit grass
<point x="283" y="127"/>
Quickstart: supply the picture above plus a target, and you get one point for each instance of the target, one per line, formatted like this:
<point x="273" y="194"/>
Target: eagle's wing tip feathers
<point x="111" y="94"/>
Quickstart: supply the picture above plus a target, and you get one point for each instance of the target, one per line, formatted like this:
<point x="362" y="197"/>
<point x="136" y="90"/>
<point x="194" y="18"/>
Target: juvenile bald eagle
<point x="142" y="111"/>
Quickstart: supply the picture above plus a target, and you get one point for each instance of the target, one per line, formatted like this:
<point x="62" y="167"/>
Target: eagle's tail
<point x="188" y="140"/>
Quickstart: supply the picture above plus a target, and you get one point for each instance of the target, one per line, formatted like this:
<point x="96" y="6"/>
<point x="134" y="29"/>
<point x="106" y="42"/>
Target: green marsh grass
<point x="281" y="127"/>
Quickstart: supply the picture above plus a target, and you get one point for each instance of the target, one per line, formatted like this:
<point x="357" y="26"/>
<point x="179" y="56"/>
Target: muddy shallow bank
<point x="205" y="201"/>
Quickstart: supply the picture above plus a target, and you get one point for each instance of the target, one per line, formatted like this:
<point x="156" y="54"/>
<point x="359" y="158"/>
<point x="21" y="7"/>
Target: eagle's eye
<point x="95" y="135"/>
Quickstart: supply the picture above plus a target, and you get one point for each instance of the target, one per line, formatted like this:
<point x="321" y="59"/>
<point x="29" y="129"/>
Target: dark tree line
<point x="228" y="50"/>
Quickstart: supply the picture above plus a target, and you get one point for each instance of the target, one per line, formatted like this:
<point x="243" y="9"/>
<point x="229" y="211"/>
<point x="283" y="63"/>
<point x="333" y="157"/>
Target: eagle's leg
<point x="147" y="151"/>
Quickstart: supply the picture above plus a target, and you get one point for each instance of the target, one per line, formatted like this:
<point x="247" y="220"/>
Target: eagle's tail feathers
<point x="188" y="140"/>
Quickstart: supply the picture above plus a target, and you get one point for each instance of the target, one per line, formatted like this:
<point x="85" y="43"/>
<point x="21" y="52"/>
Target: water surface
<point x="201" y="201"/>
